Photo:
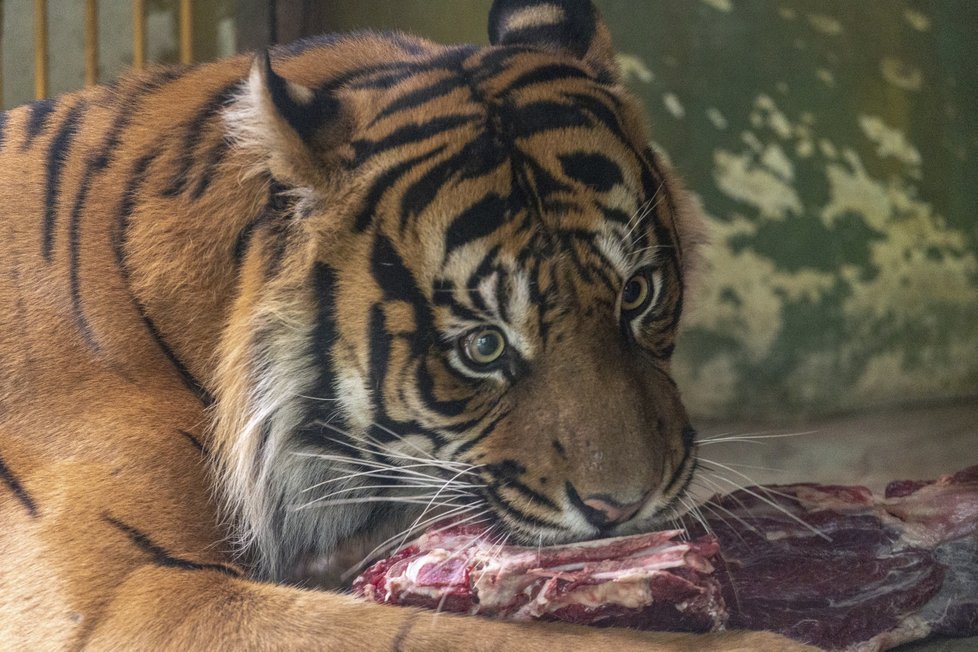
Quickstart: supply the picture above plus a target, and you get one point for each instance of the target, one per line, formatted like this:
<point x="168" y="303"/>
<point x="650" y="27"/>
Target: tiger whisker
<point x="641" y="213"/>
<point x="432" y="462"/>
<point x="725" y="467"/>
<point x="407" y="500"/>
<point x="402" y="439"/>
<point x="399" y="479"/>
<point x="716" y="489"/>
<point x="387" y="543"/>
<point x="726" y="437"/>
<point x="772" y="504"/>
<point x="692" y="508"/>
<point x="386" y="450"/>
<point x="379" y="471"/>
<point x="454" y="491"/>
<point x="376" y="464"/>
<point x="720" y="510"/>
<point x="438" y="493"/>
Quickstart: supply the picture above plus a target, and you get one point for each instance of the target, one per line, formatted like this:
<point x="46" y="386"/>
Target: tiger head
<point x="464" y="302"/>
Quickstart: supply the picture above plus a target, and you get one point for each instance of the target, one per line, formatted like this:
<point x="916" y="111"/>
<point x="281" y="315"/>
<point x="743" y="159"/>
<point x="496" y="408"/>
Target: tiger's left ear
<point x="297" y="131"/>
<point x="574" y="27"/>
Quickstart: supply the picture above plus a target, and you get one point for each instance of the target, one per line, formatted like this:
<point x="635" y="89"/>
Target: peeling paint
<point x="737" y="176"/>
<point x="902" y="75"/>
<point x="674" y="106"/>
<point x="714" y="116"/>
<point x="890" y="142"/>
<point x="917" y="20"/>
<point x="726" y="6"/>
<point x="633" y="67"/>
<point x="825" y="24"/>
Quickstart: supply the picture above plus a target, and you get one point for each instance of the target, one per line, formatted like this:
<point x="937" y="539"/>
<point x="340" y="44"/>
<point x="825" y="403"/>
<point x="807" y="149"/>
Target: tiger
<point x="291" y="306"/>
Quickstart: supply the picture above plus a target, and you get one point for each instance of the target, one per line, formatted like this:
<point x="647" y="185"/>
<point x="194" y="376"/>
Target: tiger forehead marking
<point x="502" y="121"/>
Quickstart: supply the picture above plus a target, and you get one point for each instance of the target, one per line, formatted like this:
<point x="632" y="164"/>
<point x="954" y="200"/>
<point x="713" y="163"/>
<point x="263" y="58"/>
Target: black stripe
<point x="477" y="221"/>
<point x="426" y="389"/>
<point x="419" y="194"/>
<point x="532" y="495"/>
<point x="134" y="181"/>
<point x="160" y="556"/>
<point x="592" y="169"/>
<point x="191" y="136"/>
<point x="195" y="443"/>
<point x="492" y="493"/>
<point x="379" y="342"/>
<point x="542" y="116"/>
<point x="615" y="215"/>
<point x="3" y="127"/>
<point x="37" y="117"/>
<point x="278" y="204"/>
<point x="602" y="113"/>
<point x="385" y="182"/>
<point x="397" y="282"/>
<point x="325" y="335"/>
<point x="501" y="292"/>
<point x="485" y="432"/>
<point x="213" y="159"/>
<point x="96" y="164"/>
<point x="507" y="472"/>
<point x="443" y="291"/>
<point x="188" y="379"/>
<point x="57" y="152"/>
<point x="18" y="489"/>
<point x="547" y="74"/>
<point x="408" y="134"/>
<point x="419" y="97"/>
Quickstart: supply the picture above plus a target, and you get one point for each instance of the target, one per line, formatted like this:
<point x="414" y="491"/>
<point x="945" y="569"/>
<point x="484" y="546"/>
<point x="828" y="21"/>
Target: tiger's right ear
<point x="295" y="131"/>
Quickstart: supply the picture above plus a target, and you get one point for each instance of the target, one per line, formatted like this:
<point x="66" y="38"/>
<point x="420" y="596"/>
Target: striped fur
<point x="231" y="300"/>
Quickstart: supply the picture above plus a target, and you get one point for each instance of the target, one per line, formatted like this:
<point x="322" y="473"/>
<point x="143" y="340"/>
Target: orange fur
<point x="142" y="274"/>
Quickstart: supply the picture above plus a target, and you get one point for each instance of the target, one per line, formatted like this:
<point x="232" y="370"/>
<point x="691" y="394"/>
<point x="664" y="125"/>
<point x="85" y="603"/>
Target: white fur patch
<point x="535" y="16"/>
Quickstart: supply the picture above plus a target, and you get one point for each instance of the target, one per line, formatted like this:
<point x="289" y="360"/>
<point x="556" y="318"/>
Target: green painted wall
<point x="833" y="146"/>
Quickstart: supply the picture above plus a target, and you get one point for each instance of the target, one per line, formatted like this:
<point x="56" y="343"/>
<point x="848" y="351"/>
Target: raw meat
<point x="650" y="579"/>
<point x="829" y="565"/>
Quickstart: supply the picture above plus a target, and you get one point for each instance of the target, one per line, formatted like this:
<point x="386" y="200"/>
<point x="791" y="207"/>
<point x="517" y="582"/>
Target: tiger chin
<point x="281" y="307"/>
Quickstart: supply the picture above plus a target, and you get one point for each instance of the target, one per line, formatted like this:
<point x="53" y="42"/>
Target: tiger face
<point x="475" y="314"/>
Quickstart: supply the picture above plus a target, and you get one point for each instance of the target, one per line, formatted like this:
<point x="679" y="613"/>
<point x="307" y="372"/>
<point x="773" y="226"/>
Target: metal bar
<point x="91" y="42"/>
<point x="40" y="49"/>
<point x="1" y="56"/>
<point x="139" y="34"/>
<point x="186" y="31"/>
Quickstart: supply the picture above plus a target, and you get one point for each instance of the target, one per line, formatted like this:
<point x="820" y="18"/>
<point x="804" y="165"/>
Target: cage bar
<point x="40" y="49"/>
<point x="186" y="31"/>
<point x="91" y="42"/>
<point x="139" y="34"/>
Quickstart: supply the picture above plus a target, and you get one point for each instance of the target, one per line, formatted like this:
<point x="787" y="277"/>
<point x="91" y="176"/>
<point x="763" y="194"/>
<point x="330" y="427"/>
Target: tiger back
<point x="283" y="307"/>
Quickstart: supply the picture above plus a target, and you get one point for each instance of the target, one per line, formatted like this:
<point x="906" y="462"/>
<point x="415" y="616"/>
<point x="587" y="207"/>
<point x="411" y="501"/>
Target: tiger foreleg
<point x="162" y="608"/>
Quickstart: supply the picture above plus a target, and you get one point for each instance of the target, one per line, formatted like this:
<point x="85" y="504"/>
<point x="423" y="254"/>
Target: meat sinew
<point x="829" y="565"/>
<point x="650" y="580"/>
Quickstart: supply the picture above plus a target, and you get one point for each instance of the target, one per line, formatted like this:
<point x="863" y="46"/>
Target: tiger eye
<point x="484" y="346"/>
<point x="635" y="292"/>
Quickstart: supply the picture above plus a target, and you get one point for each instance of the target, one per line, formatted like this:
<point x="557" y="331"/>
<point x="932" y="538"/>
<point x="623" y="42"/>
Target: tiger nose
<point x="602" y="510"/>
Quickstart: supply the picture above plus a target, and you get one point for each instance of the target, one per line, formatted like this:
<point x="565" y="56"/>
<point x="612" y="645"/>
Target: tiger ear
<point x="574" y="27"/>
<point x="295" y="130"/>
